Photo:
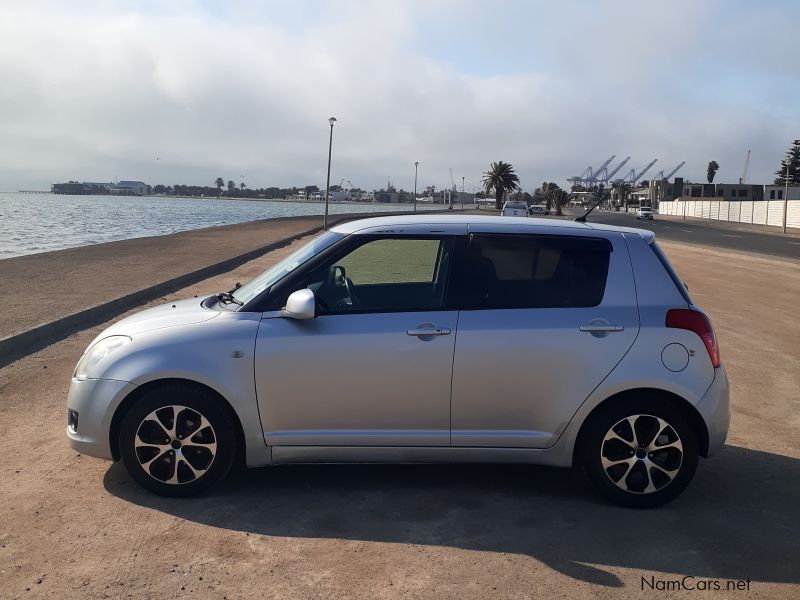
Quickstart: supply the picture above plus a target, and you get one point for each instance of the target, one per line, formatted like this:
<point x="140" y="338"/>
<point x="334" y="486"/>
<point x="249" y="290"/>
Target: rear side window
<point x="526" y="271"/>
<point x="672" y="274"/>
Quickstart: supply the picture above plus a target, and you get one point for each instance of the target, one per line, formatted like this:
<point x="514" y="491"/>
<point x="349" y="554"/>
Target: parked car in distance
<point x="513" y="208"/>
<point x="420" y="338"/>
<point x="644" y="212"/>
<point x="538" y="209"/>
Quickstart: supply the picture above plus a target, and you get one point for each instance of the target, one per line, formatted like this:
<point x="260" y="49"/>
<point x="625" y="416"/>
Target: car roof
<point x="497" y="222"/>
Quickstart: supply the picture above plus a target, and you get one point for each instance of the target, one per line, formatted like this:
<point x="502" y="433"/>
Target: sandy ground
<point x="75" y="527"/>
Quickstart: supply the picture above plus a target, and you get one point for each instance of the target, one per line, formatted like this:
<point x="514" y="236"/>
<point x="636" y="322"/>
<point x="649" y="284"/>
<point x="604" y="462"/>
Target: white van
<point x="514" y="208"/>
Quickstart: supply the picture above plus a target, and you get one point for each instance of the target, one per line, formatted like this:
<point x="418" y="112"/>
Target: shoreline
<point x="51" y="295"/>
<point x="31" y="226"/>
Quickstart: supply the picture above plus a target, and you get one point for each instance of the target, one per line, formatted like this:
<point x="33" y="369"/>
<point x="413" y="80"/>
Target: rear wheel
<point x="639" y="453"/>
<point x="177" y="440"/>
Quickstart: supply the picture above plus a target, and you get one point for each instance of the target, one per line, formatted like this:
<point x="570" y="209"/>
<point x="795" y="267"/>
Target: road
<point x="715" y="234"/>
<point x="72" y="526"/>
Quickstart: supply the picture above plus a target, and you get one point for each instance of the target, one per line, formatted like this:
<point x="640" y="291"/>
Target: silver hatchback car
<point x="420" y="339"/>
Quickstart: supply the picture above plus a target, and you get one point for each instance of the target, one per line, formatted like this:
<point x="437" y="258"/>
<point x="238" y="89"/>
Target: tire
<point x="181" y="456"/>
<point x="628" y="474"/>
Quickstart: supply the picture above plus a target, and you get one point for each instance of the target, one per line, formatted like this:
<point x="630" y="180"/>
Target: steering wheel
<point x="348" y="285"/>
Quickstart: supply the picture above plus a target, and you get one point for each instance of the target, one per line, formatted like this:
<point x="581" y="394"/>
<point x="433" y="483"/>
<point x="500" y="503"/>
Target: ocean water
<point x="32" y="223"/>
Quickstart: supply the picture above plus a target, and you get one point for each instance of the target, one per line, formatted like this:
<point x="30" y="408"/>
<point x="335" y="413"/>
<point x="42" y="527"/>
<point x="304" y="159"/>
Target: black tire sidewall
<point x="199" y="399"/>
<point x="592" y="439"/>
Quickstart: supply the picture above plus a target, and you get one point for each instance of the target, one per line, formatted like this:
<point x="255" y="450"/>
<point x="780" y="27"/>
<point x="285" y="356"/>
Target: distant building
<point x="776" y="192"/>
<point x="392" y="197"/>
<point x="666" y="191"/>
<point x="89" y="188"/>
<point x="739" y="191"/>
<point x="131" y="188"/>
<point x="85" y="188"/>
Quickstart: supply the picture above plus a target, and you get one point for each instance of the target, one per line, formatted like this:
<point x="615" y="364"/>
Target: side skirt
<point x="387" y="454"/>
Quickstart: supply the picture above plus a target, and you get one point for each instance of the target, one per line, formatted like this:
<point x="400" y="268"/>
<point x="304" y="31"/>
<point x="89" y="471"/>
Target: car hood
<point x="172" y="314"/>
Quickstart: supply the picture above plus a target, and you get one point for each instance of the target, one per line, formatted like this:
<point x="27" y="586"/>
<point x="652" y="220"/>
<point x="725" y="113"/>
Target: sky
<point x="185" y="91"/>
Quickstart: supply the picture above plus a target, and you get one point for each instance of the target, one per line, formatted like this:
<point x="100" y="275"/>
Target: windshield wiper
<point x="235" y="287"/>
<point x="228" y="297"/>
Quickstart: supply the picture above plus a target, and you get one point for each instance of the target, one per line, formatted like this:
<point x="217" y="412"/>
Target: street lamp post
<point x="462" y="191"/>
<point x="785" y="196"/>
<point x="416" y="168"/>
<point x="332" y="121"/>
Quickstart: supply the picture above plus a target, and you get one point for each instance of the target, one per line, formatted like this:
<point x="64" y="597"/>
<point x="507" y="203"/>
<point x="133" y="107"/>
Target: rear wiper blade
<point x="228" y="297"/>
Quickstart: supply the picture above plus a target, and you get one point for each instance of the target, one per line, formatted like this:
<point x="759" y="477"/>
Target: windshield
<point x="259" y="283"/>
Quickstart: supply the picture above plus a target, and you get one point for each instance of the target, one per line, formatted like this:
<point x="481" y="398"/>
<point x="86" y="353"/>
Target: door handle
<point x="601" y="328"/>
<point x="422" y="332"/>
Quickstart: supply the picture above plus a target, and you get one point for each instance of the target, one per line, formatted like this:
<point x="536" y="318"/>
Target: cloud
<point x="96" y="90"/>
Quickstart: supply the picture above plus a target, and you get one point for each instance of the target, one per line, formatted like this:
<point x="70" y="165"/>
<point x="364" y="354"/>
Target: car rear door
<point x="544" y="319"/>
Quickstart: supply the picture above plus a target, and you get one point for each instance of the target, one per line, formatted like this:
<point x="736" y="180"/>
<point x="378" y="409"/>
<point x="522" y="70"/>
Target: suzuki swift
<point x="420" y="339"/>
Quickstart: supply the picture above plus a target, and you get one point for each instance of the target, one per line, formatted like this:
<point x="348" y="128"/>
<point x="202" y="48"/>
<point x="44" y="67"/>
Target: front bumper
<point x="95" y="401"/>
<point x="716" y="411"/>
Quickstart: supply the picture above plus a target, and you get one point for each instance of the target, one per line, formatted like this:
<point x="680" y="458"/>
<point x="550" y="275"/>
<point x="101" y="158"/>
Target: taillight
<point x="685" y="318"/>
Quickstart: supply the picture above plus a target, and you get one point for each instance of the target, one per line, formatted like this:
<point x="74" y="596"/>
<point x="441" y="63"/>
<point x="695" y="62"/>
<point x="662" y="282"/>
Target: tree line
<point x="501" y="179"/>
<point x="232" y="190"/>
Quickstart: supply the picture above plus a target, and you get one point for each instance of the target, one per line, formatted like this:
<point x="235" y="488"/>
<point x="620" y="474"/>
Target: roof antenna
<point x="602" y="196"/>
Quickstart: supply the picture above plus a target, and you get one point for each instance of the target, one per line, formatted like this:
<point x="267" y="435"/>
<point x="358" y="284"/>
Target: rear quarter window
<point x="662" y="258"/>
<point x="501" y="271"/>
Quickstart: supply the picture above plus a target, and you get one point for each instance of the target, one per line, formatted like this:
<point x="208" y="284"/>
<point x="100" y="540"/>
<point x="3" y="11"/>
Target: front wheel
<point x="639" y="453"/>
<point x="177" y="440"/>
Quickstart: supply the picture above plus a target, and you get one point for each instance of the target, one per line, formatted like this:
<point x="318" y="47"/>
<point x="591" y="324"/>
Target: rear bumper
<point x="95" y="401"/>
<point x="715" y="409"/>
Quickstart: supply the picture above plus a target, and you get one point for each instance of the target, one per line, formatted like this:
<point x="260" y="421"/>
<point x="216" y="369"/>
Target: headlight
<point x="98" y="352"/>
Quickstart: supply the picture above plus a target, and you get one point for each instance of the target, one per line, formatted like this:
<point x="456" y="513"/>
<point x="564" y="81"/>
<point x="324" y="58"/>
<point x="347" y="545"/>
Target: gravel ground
<point x="76" y="527"/>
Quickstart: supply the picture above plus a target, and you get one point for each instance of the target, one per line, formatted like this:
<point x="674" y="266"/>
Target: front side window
<point x="261" y="282"/>
<point x="384" y="275"/>
<point x="530" y="271"/>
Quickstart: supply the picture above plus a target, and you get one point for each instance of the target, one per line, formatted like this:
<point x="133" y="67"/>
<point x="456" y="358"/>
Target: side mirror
<point x="301" y="305"/>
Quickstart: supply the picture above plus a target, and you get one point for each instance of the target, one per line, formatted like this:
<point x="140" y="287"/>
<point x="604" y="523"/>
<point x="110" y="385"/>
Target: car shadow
<point x="738" y="519"/>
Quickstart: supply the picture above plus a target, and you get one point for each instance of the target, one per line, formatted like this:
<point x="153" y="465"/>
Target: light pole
<point x="785" y="196"/>
<point x="416" y="168"/>
<point x="332" y="121"/>
<point x="462" y="191"/>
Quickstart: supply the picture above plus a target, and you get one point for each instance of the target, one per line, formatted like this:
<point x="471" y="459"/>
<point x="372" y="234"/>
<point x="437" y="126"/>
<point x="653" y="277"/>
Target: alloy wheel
<point x="175" y="444"/>
<point x="641" y="454"/>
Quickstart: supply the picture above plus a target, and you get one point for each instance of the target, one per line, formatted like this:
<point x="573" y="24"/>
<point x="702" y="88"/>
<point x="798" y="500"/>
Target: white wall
<point x="759" y="213"/>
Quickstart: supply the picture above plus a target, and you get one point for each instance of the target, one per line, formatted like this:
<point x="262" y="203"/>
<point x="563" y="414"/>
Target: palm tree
<point x="713" y="167"/>
<point x="242" y="185"/>
<point x="501" y="178"/>
<point x="546" y="191"/>
<point x="219" y="182"/>
<point x="624" y="189"/>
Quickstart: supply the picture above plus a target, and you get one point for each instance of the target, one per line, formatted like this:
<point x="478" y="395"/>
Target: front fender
<point x="218" y="353"/>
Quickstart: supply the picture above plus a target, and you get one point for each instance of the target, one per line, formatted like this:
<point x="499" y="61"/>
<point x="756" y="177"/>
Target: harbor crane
<point x="743" y="178"/>
<point x="606" y="176"/>
<point x="590" y="174"/>
<point x="661" y="175"/>
<point x="632" y="176"/>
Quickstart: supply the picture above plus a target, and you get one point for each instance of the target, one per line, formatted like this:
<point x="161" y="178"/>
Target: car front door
<point x="545" y="319"/>
<point x="374" y="367"/>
